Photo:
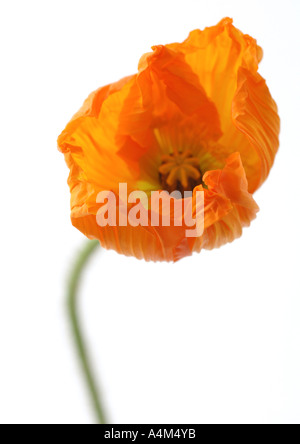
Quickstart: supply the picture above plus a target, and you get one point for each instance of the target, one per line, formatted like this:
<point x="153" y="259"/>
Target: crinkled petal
<point x="90" y="148"/>
<point x="231" y="184"/>
<point x="255" y="115"/>
<point x="166" y="75"/>
<point x="226" y="62"/>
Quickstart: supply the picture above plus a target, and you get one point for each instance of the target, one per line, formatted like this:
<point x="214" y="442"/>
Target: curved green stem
<point x="73" y="288"/>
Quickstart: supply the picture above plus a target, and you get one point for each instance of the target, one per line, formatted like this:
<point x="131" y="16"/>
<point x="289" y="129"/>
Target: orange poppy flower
<point x="196" y="116"/>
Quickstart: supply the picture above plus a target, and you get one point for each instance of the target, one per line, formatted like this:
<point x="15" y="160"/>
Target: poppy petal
<point x="230" y="183"/>
<point x="226" y="63"/>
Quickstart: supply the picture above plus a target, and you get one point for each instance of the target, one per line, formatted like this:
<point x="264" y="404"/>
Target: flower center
<point x="180" y="172"/>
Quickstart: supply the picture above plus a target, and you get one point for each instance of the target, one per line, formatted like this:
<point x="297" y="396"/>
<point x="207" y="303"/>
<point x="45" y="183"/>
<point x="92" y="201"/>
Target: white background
<point x="214" y="338"/>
